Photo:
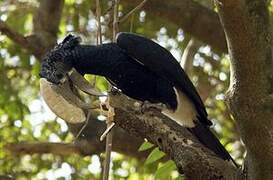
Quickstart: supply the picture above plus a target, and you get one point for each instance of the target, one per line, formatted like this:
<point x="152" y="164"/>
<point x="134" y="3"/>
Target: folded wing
<point x="161" y="62"/>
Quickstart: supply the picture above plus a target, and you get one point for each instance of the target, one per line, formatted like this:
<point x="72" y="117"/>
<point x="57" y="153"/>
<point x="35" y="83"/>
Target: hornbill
<point x="142" y="70"/>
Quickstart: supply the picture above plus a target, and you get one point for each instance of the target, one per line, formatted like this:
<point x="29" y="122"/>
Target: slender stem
<point x="98" y="16"/>
<point x="84" y="126"/>
<point x="14" y="35"/>
<point x="115" y="21"/>
<point x="110" y="117"/>
<point x="132" y="22"/>
<point x="132" y="11"/>
<point x="109" y="128"/>
<point x="99" y="36"/>
<point x="108" y="149"/>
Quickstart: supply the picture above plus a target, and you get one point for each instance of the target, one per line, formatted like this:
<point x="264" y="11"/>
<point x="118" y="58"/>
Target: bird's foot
<point x="147" y="106"/>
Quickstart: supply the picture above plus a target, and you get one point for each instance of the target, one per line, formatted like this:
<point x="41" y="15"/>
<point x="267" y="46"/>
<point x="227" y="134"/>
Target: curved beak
<point x="83" y="84"/>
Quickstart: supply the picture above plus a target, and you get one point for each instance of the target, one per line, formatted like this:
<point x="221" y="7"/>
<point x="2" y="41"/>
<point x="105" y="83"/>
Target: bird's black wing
<point x="161" y="62"/>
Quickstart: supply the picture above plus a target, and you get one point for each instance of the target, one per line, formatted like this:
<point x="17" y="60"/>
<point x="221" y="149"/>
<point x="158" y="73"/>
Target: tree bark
<point x="123" y="143"/>
<point x="247" y="29"/>
<point x="176" y="141"/>
<point x="87" y="144"/>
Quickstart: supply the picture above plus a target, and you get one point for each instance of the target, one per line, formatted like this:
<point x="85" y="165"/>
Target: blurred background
<point x="35" y="144"/>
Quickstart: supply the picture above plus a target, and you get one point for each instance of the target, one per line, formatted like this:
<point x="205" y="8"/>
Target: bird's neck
<point x="89" y="59"/>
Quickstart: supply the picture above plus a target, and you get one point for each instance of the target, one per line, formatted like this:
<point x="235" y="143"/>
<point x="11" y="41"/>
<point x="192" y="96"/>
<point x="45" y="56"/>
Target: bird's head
<point x="59" y="61"/>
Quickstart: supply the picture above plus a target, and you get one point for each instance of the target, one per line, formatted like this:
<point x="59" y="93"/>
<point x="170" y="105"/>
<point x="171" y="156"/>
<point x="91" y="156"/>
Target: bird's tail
<point x="207" y="138"/>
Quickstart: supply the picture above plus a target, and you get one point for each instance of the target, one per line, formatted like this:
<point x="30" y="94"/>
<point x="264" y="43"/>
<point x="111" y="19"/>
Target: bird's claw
<point x="147" y="106"/>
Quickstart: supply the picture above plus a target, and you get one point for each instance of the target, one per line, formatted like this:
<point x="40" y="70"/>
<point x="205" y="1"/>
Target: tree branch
<point x="48" y="16"/>
<point x="13" y="35"/>
<point x="193" y="18"/>
<point x="188" y="55"/>
<point x="17" y="37"/>
<point x="46" y="24"/>
<point x="247" y="29"/>
<point x="46" y="147"/>
<point x="94" y="129"/>
<point x="204" y="87"/>
<point x="88" y="142"/>
<point x="177" y="142"/>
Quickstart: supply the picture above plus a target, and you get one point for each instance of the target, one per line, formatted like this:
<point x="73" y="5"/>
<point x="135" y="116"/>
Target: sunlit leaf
<point x="145" y="146"/>
<point x="164" y="170"/>
<point x="155" y="155"/>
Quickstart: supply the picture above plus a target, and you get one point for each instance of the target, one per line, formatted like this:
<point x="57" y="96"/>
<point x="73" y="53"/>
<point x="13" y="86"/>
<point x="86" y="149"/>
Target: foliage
<point x="164" y="170"/>
<point x="24" y="117"/>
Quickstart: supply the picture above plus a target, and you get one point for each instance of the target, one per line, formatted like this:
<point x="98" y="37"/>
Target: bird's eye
<point x="59" y="76"/>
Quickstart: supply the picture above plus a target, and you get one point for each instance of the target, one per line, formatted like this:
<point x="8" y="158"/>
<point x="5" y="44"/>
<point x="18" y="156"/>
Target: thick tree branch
<point x="48" y="16"/>
<point x="123" y="142"/>
<point x="46" y="24"/>
<point x="46" y="147"/>
<point x="188" y="55"/>
<point x="192" y="17"/>
<point x="204" y="87"/>
<point x="17" y="37"/>
<point x="6" y="177"/>
<point x="12" y="34"/>
<point x="179" y="144"/>
<point x="87" y="144"/>
<point x="247" y="29"/>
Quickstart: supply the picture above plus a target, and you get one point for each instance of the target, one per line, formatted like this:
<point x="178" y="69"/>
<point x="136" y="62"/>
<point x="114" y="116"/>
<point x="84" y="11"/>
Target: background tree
<point x="236" y="46"/>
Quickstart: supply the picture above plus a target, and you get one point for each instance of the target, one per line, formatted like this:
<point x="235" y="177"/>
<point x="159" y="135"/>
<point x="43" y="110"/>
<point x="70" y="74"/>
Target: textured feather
<point x="161" y="61"/>
<point x="206" y="137"/>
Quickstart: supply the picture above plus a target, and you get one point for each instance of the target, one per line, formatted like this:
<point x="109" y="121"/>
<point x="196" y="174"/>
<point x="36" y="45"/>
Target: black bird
<point x="142" y="70"/>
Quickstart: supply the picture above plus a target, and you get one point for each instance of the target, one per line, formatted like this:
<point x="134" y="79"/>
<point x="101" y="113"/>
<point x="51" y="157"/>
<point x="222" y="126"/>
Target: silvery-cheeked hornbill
<point x="142" y="70"/>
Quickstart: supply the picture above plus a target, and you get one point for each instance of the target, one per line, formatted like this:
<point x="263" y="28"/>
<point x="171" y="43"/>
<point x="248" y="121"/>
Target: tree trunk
<point x="247" y="29"/>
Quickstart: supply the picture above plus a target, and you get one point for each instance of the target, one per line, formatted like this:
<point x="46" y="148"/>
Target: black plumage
<point x="142" y="70"/>
<point x="132" y="78"/>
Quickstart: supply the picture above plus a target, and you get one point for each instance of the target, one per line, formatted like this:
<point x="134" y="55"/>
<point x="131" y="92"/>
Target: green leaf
<point x="145" y="146"/>
<point x="165" y="169"/>
<point x="155" y="155"/>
